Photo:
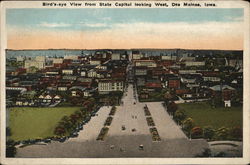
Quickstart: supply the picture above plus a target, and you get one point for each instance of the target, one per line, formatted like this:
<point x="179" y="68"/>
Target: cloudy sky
<point x="190" y="28"/>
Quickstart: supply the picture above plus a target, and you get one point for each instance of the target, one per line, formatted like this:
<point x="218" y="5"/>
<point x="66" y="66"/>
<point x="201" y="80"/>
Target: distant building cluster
<point x="78" y="76"/>
<point x="185" y="74"/>
<point x="189" y="76"/>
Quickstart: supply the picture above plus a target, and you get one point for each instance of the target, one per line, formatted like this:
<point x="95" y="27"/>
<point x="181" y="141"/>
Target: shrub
<point x="236" y="132"/>
<point x="196" y="132"/>
<point x="60" y="131"/>
<point x="222" y="133"/>
<point x="172" y="108"/>
<point x="179" y="116"/>
<point x="10" y="148"/>
<point x="208" y="132"/>
<point x="188" y="124"/>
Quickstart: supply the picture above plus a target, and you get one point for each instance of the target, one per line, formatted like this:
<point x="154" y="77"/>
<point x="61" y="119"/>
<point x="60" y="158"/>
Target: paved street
<point x="126" y="142"/>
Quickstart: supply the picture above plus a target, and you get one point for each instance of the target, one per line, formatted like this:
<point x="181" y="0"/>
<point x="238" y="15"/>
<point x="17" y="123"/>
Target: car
<point x="47" y="140"/>
<point x="80" y="127"/>
<point x="74" y="134"/>
<point x="17" y="143"/>
<point x="141" y="147"/>
<point x="62" y="139"/>
<point x="38" y="140"/>
<point x="32" y="141"/>
<point x="123" y="127"/>
<point x="112" y="146"/>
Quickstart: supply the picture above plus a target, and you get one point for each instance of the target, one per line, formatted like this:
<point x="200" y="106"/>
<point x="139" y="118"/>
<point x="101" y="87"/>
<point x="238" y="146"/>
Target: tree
<point x="179" y="116"/>
<point x="172" y="108"/>
<point x="167" y="97"/>
<point x="10" y="148"/>
<point x="236" y="132"/>
<point x="208" y="132"/>
<point x="33" y="69"/>
<point x="66" y="123"/>
<point x="8" y="131"/>
<point x="60" y="131"/>
<point x="188" y="124"/>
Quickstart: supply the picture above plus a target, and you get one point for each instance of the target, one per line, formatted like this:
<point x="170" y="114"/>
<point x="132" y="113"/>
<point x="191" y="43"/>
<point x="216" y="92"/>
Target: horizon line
<point x="125" y="49"/>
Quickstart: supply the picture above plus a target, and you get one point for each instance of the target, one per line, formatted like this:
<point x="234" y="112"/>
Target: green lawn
<point x="204" y="115"/>
<point x="31" y="123"/>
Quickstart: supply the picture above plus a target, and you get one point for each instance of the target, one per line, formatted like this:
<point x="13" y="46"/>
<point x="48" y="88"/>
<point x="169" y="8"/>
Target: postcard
<point x="125" y="82"/>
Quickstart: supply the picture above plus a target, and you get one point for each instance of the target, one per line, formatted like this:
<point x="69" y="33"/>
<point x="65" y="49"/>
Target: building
<point x="102" y="67"/>
<point x="154" y="85"/>
<point x="40" y="58"/>
<point x="212" y="79"/>
<point x="71" y="57"/>
<point x="20" y="59"/>
<point x="106" y="86"/>
<point x="187" y="59"/>
<point x="140" y="81"/>
<point x="165" y="57"/>
<point x="92" y="73"/>
<point x="227" y="103"/>
<point x="137" y="56"/>
<point x="225" y="91"/>
<point x="95" y="62"/>
<point x="194" y="63"/>
<point x="32" y="63"/>
<point x="187" y="71"/>
<point x="235" y="63"/>
<point x="147" y="63"/>
<point x="77" y="91"/>
<point x="115" y="56"/>
<point x="140" y="71"/>
<point x="174" y="82"/>
<point x="68" y="71"/>
<point x="57" y="60"/>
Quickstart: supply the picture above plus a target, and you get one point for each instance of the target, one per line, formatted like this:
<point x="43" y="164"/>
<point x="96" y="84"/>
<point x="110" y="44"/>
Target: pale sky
<point x="190" y="28"/>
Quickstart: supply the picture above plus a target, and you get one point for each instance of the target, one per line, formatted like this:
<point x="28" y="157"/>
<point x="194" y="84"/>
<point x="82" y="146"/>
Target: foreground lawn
<point x="204" y="115"/>
<point x="31" y="123"/>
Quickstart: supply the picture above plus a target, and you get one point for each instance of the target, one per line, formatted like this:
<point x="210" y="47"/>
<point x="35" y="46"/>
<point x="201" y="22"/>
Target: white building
<point x="62" y="88"/>
<point x="137" y="56"/>
<point x="83" y="73"/>
<point x="115" y="56"/>
<point x="227" y="103"/>
<point x="71" y="57"/>
<point x="92" y="73"/>
<point x="213" y="79"/>
<point x="187" y="59"/>
<point x="101" y="67"/>
<point x="147" y="63"/>
<point x="68" y="71"/>
<point x="20" y="59"/>
<point x="187" y="71"/>
<point x="40" y="58"/>
<point x="107" y="86"/>
<point x="195" y="63"/>
<point x="32" y="63"/>
<point x="95" y="62"/>
<point x="57" y="60"/>
<point x="165" y="57"/>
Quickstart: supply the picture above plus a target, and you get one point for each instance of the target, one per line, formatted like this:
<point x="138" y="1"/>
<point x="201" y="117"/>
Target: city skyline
<point x="125" y="28"/>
